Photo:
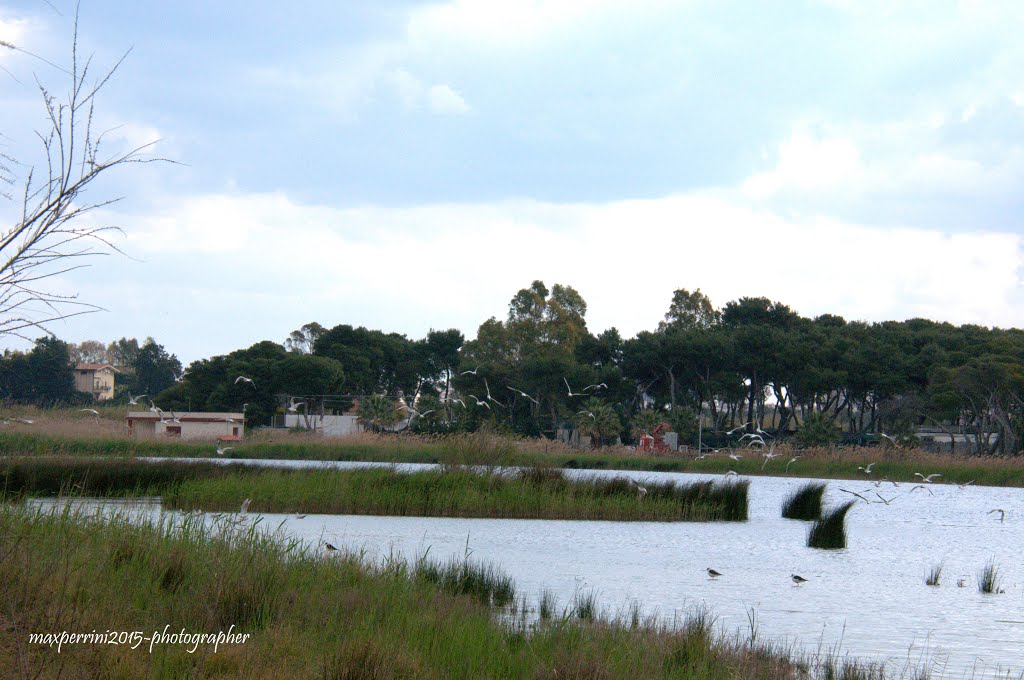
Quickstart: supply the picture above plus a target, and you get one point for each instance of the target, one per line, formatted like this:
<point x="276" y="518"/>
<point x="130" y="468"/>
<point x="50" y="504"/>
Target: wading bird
<point x="713" y="574"/>
<point x="928" y="478"/>
<point x="798" y="579"/>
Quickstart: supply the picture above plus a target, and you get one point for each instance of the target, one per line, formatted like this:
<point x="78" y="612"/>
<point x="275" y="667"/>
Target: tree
<point x="42" y="376"/>
<point x="49" y="238"/>
<point x="89" y="352"/>
<point x="302" y="340"/>
<point x="378" y="412"/>
<point x="689" y="311"/>
<point x="155" y="370"/>
<point x="599" y="420"/>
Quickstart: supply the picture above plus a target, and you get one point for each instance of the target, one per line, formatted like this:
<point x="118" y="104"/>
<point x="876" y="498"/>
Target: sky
<point x="411" y="165"/>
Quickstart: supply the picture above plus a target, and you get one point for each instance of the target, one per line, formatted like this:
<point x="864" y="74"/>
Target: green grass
<point x="934" y="575"/>
<point x="310" y="614"/>
<point x="451" y="491"/>
<point x="805" y="502"/>
<point x="989" y="580"/>
<point x="458" y="492"/>
<point x="829" y="532"/>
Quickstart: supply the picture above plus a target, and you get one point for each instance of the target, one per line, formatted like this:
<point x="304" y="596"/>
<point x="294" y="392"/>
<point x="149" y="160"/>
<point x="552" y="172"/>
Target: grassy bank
<point x="535" y="493"/>
<point x="483" y="449"/>
<point x="316" y="615"/>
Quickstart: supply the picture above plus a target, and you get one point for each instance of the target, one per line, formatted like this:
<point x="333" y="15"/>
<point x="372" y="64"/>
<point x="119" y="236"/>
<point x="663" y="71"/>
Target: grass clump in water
<point x="934" y="574"/>
<point x="805" y="502"/>
<point x="988" y="579"/>
<point x="829" y="533"/>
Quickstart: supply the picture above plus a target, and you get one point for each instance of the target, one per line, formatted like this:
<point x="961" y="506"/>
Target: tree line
<point x="753" y="364"/>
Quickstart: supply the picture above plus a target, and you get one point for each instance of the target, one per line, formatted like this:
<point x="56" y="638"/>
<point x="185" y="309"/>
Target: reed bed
<point x="989" y="579"/>
<point x="459" y="492"/>
<point x="805" y="502"/>
<point x="317" y="615"/>
<point x="829" y="533"/>
<point x="934" y="575"/>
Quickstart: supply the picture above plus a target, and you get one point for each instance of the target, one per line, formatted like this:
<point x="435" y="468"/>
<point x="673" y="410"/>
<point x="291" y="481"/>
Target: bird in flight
<point x="595" y="387"/>
<point x="883" y="499"/>
<point x="1002" y="514"/>
<point x="242" y="378"/>
<point x="245" y="506"/>
<point x="929" y="478"/>
<point x="922" y="486"/>
<point x="571" y="393"/>
<point x="867" y="470"/>
<point x="134" y="400"/>
<point x="473" y="372"/>
<point x="736" y="456"/>
<point x="518" y="391"/>
<point x="296" y="405"/>
<point x="737" y="429"/>
<point x="893" y="441"/>
<point x="640" y="489"/>
<point x="856" y="494"/>
<point x="90" y="410"/>
<point x="222" y="451"/>
<point x="478" y="402"/>
<point x="791" y="461"/>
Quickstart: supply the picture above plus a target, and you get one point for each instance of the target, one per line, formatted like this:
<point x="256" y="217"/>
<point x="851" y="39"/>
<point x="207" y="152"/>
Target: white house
<point x="193" y="425"/>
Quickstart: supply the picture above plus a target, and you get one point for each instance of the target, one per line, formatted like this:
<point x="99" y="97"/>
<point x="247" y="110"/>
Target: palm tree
<point x="378" y="412"/>
<point x="599" y="420"/>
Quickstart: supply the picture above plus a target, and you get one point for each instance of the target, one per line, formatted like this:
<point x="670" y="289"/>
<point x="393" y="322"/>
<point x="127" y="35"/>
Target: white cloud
<point x="443" y="99"/>
<point x="451" y="265"/>
<point x="415" y="94"/>
<point x="809" y="163"/>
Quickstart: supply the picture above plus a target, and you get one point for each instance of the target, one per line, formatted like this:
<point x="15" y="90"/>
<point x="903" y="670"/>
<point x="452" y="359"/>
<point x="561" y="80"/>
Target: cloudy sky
<point x="410" y="165"/>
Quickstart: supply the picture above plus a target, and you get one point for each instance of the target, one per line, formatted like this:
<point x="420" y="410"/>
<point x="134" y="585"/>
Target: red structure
<point x="655" y="442"/>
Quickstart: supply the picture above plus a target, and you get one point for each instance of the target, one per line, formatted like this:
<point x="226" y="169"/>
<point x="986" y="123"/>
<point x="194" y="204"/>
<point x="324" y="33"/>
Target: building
<point x="193" y="425"/>
<point x="96" y="379"/>
<point x="329" y="426"/>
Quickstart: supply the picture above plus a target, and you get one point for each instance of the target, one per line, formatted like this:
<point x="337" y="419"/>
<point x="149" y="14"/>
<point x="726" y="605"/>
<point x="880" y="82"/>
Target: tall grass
<point x="310" y="614"/>
<point x="989" y="579"/>
<point x="829" y="532"/>
<point x="934" y="575"/>
<point x="459" y="492"/>
<point x="805" y="502"/>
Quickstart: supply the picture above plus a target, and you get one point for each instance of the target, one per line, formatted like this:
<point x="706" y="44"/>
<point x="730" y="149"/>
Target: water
<point x="869" y="601"/>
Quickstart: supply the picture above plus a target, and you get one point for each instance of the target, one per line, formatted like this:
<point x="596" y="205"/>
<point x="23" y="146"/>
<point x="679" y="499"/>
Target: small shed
<point x="210" y="426"/>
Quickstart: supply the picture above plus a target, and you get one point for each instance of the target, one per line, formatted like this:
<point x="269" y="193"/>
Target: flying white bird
<point x="478" y="402"/>
<point x="867" y="470"/>
<point x="595" y="387"/>
<point x="242" y="378"/>
<point x="523" y="393"/>
<point x="134" y="400"/>
<point x="571" y="393"/>
<point x="473" y="372"/>
<point x="929" y="478"/>
<point x="856" y="494"/>
<point x="296" y="405"/>
<point x="245" y="506"/>
<point x="221" y="452"/>
<point x="90" y="410"/>
<point x="893" y="441"/>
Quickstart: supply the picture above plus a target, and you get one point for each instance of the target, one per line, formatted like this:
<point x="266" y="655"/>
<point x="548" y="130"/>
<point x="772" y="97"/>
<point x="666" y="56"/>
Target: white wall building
<point x="193" y="425"/>
<point x="329" y="426"/>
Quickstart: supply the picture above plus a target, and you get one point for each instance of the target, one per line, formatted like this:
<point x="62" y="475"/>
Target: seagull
<point x="883" y="499"/>
<point x="586" y="413"/>
<point x="702" y="456"/>
<point x="296" y="405"/>
<point x="90" y="410"/>
<point x="132" y="401"/>
<point x="417" y="413"/>
<point x="478" y="402"/>
<point x="731" y="473"/>
<point x="922" y="486"/>
<point x="489" y="397"/>
<point x="242" y="378"/>
<point x="153" y="407"/>
<point x="571" y="393"/>
<point x="798" y="579"/>
<point x="300" y="517"/>
<point x="736" y="456"/>
<point x="928" y="478"/>
<point x="712" y="573"/>
<point x="867" y="470"/>
<point x="882" y="434"/>
<point x="771" y="455"/>
<point x="23" y="420"/>
<point x="1002" y="514"/>
<point x="737" y="429"/>
<point x="524" y="394"/>
<point x="966" y="484"/>
<point x="856" y="494"/>
<point x="473" y="372"/>
<point x="245" y="506"/>
<point x="459" y="401"/>
<point x="221" y="452"/>
<point x="596" y="387"/>
<point x="791" y="461"/>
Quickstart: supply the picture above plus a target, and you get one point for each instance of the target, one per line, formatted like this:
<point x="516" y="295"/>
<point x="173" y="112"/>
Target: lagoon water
<point x="868" y="601"/>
